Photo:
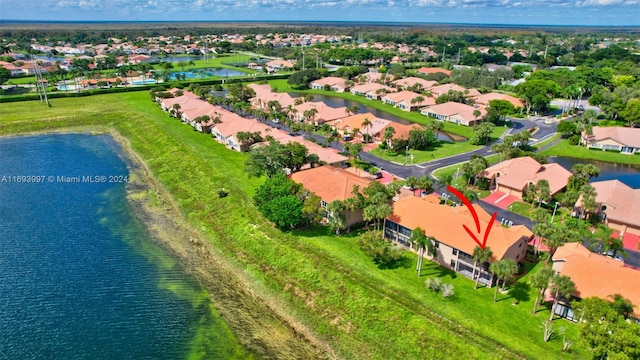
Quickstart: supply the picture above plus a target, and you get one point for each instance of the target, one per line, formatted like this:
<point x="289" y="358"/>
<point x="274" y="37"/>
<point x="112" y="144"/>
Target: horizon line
<point x="4" y="22"/>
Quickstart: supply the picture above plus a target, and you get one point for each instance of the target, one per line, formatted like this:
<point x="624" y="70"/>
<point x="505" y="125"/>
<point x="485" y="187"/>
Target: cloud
<point x="485" y="11"/>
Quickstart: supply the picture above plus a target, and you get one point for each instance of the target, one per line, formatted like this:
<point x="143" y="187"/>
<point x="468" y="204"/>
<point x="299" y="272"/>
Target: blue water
<point x="144" y="82"/>
<point x="206" y="73"/>
<point x="79" y="277"/>
<point x="630" y="175"/>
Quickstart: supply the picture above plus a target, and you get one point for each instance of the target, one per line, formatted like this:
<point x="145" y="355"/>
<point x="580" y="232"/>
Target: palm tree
<point x="336" y="216"/>
<point x="476" y="115"/>
<point x="411" y="182"/>
<point x="561" y="287"/>
<point x="366" y="123"/>
<point x="417" y="100"/>
<point x="425" y="183"/>
<point x="540" y="281"/>
<point x="609" y="245"/>
<point x="543" y="191"/>
<point x="480" y="256"/>
<point x="541" y="230"/>
<point x="388" y="135"/>
<point x="503" y="269"/>
<point x="588" y="199"/>
<point x="175" y="110"/>
<point x="419" y="240"/>
<point x="354" y="132"/>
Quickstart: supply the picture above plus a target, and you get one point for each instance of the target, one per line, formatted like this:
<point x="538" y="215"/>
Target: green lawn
<point x="563" y="148"/>
<point x="510" y="323"/>
<point x="419" y="156"/>
<point x="521" y="208"/>
<point x="21" y="80"/>
<point x="325" y="282"/>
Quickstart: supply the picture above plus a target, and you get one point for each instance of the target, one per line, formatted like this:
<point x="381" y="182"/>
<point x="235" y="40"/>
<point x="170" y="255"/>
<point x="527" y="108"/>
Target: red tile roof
<point x="517" y="173"/>
<point x="597" y="275"/>
<point x="328" y="182"/>
<point x="445" y="224"/>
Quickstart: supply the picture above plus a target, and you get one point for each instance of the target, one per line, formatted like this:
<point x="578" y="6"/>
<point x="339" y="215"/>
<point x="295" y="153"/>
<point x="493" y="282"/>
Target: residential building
<point x="513" y="175"/>
<point x="323" y="112"/>
<point x="372" y="91"/>
<point x="265" y="94"/>
<point x="332" y="183"/>
<point x="330" y="82"/>
<point x="415" y="83"/>
<point x="461" y="114"/>
<point x="618" y="206"/>
<point x="439" y="90"/>
<point x="408" y="100"/>
<point x="623" y="139"/>
<point x="426" y="71"/>
<point x="346" y="125"/>
<point x="226" y="132"/>
<point x="454" y="245"/>
<point x="278" y="65"/>
<point x="595" y="275"/>
<point x="483" y="100"/>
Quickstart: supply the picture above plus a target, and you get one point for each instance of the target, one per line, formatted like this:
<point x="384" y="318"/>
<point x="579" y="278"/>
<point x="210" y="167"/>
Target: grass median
<point x="324" y="281"/>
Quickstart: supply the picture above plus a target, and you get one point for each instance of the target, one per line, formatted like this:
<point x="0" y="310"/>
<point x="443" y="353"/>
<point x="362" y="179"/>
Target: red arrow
<point x="472" y="210"/>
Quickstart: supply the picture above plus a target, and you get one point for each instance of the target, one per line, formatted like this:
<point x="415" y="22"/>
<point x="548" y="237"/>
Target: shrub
<point x="574" y="139"/>
<point x="447" y="290"/>
<point x="433" y="284"/>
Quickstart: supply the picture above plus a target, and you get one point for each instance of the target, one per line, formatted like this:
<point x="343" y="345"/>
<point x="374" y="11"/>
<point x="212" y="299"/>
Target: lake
<point x="627" y="174"/>
<point x="81" y="279"/>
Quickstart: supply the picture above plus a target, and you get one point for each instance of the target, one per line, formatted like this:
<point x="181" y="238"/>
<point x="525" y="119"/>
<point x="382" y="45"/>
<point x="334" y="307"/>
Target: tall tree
<point x="388" y="135"/>
<point x="419" y="240"/>
<point x="480" y="256"/>
<point x="561" y="287"/>
<point x="589" y="203"/>
<point x="540" y="281"/>
<point x="337" y="220"/>
<point x="543" y="191"/>
<point x="366" y="125"/>
<point x="502" y="269"/>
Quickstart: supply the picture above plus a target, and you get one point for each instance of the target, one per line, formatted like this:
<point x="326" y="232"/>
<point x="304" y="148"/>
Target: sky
<point x="518" y="12"/>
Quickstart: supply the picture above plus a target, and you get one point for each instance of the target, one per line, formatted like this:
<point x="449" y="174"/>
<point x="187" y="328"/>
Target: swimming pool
<point x="144" y="82"/>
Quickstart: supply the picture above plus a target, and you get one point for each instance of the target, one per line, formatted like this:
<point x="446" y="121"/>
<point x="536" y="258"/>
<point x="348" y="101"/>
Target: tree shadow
<point x="520" y="292"/>
<point x="402" y="262"/>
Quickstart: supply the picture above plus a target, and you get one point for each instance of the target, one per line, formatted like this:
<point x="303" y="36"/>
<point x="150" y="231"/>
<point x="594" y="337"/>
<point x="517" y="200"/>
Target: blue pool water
<point x="144" y="82"/>
<point x="206" y="73"/>
<point x="79" y="276"/>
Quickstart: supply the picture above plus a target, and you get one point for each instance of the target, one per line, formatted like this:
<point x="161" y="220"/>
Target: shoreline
<point x="258" y="320"/>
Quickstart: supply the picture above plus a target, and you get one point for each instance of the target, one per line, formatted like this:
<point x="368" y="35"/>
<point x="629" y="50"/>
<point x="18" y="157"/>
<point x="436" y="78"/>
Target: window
<point x="520" y="245"/>
<point x="323" y="203"/>
<point x="437" y="244"/>
<point x="518" y="257"/>
<point x="454" y="251"/>
<point x="453" y="264"/>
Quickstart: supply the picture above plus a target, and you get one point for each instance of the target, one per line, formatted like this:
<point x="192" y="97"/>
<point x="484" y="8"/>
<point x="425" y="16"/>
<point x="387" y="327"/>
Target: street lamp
<point x="554" y="212"/>
<point x="406" y="154"/>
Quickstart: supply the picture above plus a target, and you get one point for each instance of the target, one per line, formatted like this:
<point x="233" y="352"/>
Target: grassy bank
<point x="563" y="148"/>
<point x="444" y="149"/>
<point x="318" y="280"/>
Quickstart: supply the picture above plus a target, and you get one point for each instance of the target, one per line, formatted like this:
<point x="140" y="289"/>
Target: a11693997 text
<point x="63" y="179"/>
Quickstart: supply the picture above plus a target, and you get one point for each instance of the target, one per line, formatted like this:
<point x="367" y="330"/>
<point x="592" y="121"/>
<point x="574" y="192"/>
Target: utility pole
<point x="443" y="54"/>
<point x="546" y="49"/>
<point x="458" y="62"/>
<point x="303" y="57"/>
